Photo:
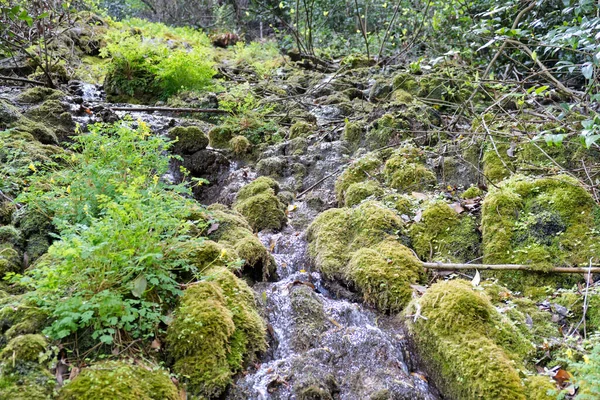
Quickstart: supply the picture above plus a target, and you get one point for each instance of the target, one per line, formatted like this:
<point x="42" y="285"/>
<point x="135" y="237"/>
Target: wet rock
<point x="8" y="114"/>
<point x="189" y="139"/>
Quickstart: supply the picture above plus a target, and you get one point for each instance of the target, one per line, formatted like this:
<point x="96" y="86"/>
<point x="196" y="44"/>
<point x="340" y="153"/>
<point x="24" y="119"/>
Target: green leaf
<point x="534" y="56"/>
<point x="587" y="70"/>
<point x="139" y="286"/>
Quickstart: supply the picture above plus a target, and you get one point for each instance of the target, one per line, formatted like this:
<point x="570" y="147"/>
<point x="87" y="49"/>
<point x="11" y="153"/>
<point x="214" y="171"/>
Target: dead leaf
<point x="272" y="245"/>
<point x="419" y="196"/>
<point x="511" y="150"/>
<point x="457" y="207"/>
<point x="476" y="279"/>
<point x="155" y="344"/>
<point x="420" y="376"/>
<point x="213" y="227"/>
<point x="561" y="376"/>
<point x="420" y="289"/>
<point x="418" y="216"/>
<point x="292" y="207"/>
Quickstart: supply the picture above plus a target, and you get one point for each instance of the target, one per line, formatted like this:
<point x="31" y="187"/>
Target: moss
<point x="10" y="259"/>
<point x="406" y="176"/>
<point x="301" y="129"/>
<point x="272" y="166"/>
<point x="405" y="81"/>
<point x="240" y="145"/>
<point x="215" y="330"/>
<point x="54" y="115"/>
<point x="198" y="339"/>
<point x="540" y="387"/>
<point x="308" y="316"/>
<point x="35" y="385"/>
<point x="258" y="203"/>
<point x="38" y="94"/>
<point x="120" y="380"/>
<point x="18" y="317"/>
<point x="385" y="130"/>
<point x="31" y="221"/>
<point x="8" y="114"/>
<point x="359" y="246"/>
<point x="495" y="167"/>
<point x="353" y="132"/>
<point x="542" y="222"/>
<point x="401" y="96"/>
<point x="355" y="61"/>
<point x="248" y="338"/>
<point x="23" y="350"/>
<point x="443" y="235"/>
<point x="383" y="274"/>
<point x="360" y="191"/>
<point x="359" y="171"/>
<point x="470" y="349"/>
<point x="235" y="235"/>
<point x="190" y="139"/>
<point x="402" y="203"/>
<point x="220" y="136"/>
<point x="38" y="130"/>
<point x="472" y="192"/>
<point x="10" y="234"/>
<point x="37" y="245"/>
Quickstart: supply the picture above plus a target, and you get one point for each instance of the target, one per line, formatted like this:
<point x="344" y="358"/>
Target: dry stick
<point x="321" y="180"/>
<point x="169" y="109"/>
<point x="23" y="80"/>
<point x="510" y="267"/>
<point x="387" y="32"/>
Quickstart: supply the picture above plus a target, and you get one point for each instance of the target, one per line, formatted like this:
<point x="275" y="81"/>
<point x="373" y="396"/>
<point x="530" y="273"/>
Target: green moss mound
<point x="219" y="137"/>
<point x="120" y="380"/>
<point x="357" y="172"/>
<point x="240" y="145"/>
<point x="472" y="192"/>
<point x="443" y="235"/>
<point x="258" y="202"/>
<point x="360" y="191"/>
<point x="216" y="329"/>
<point x="470" y="349"/>
<point x="406" y="175"/>
<point x="543" y="222"/>
<point x="301" y="129"/>
<point x="190" y="139"/>
<point x="234" y="235"/>
<point x="38" y="94"/>
<point x="8" y="114"/>
<point x="353" y="132"/>
<point x="22" y="350"/>
<point x="360" y="246"/>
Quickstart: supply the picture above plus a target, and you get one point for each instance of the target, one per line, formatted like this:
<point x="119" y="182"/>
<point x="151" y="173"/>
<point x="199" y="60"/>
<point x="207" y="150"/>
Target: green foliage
<point x="120" y="380"/>
<point x="120" y="227"/>
<point x="586" y="375"/>
<point x="262" y="58"/>
<point x="147" y="68"/>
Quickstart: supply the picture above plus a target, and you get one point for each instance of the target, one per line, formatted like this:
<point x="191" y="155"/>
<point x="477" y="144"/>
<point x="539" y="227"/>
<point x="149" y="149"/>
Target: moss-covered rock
<point x="360" y="191"/>
<point x="386" y="130"/>
<point x="8" y="114"/>
<point x="405" y="81"/>
<point x="234" y="234"/>
<point x="401" y="96"/>
<point x="542" y="222"/>
<point x="258" y="203"/>
<point x="120" y="380"/>
<point x="443" y="235"/>
<point x="240" y="145"/>
<point x="38" y="130"/>
<point x="308" y="316"/>
<point x="405" y="175"/>
<point x="470" y="349"/>
<point x="22" y="350"/>
<point x="11" y="259"/>
<point x="359" y="171"/>
<point x="353" y="132"/>
<point x="190" y="139"/>
<point x="301" y="129"/>
<point x="360" y="246"/>
<point x="219" y="136"/>
<point x="21" y="317"/>
<point x="215" y="330"/>
<point x="52" y="114"/>
<point x="38" y="94"/>
<point x="471" y="193"/>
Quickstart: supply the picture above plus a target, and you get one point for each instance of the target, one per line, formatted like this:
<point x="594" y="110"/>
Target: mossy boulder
<point x="359" y="171"/>
<point x="443" y="235"/>
<point x="401" y="97"/>
<point x="405" y="81"/>
<point x="543" y="222"/>
<point x="21" y="317"/>
<point x="472" y="192"/>
<point x="360" y="246"/>
<point x="38" y="130"/>
<point x="190" y="139"/>
<point x="54" y="115"/>
<point x="215" y="330"/>
<point x="23" y="350"/>
<point x="258" y="203"/>
<point x="360" y="191"/>
<point x="234" y="234"/>
<point x="301" y="129"/>
<point x="39" y="94"/>
<point x="471" y="351"/>
<point x="387" y="129"/>
<point x="406" y="175"/>
<point x="353" y="132"/>
<point x="120" y="380"/>
<point x="240" y="145"/>
<point x="11" y="259"/>
<point x="220" y="136"/>
<point x="8" y="114"/>
<point x="308" y="316"/>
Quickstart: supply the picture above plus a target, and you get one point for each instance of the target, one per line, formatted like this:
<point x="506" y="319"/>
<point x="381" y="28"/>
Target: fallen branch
<point x="169" y="109"/>
<point x="510" y="267"/>
<point x="23" y="80"/>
